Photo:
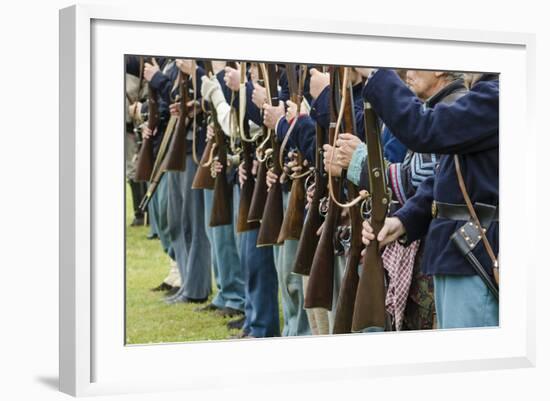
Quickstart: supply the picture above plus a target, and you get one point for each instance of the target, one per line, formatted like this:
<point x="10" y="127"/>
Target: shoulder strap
<point x="475" y="218"/>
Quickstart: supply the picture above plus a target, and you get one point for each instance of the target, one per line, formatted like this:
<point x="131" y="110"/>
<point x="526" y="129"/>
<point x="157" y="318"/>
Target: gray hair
<point x="453" y="75"/>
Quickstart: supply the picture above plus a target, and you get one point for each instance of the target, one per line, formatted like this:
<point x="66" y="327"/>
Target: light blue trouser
<point x="262" y="304"/>
<point x="227" y="269"/>
<point x="188" y="235"/>
<point x="292" y="290"/>
<point x="158" y="215"/>
<point x="464" y="301"/>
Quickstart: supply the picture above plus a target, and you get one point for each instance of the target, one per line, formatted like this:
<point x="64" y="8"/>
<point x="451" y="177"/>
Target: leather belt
<point x="451" y="211"/>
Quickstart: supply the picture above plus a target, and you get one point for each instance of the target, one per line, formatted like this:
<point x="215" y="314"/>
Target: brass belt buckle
<point x="434" y="210"/>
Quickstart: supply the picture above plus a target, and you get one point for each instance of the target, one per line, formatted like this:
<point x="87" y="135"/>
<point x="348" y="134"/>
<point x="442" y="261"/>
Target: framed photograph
<point x="117" y="336"/>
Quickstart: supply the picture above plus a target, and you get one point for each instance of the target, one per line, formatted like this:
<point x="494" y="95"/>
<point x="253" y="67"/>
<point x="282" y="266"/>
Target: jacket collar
<point x="444" y="92"/>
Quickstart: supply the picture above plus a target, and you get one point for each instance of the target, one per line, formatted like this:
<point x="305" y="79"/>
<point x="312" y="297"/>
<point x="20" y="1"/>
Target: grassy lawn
<point x="148" y="318"/>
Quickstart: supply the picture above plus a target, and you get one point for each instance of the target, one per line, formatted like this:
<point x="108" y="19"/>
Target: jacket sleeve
<point x="302" y="136"/>
<point x="469" y="125"/>
<point x="394" y="151"/>
<point x="320" y="111"/>
<point x="416" y="214"/>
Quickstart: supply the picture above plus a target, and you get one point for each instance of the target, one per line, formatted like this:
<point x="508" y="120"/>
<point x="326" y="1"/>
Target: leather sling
<point x="473" y="214"/>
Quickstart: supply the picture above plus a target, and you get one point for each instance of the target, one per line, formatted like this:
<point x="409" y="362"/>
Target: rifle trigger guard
<point x="323" y="206"/>
<point x="344" y="235"/>
<point x="306" y="182"/>
<point x="366" y="208"/>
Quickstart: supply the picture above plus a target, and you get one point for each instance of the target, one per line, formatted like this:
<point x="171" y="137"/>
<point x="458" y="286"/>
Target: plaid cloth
<point x="398" y="261"/>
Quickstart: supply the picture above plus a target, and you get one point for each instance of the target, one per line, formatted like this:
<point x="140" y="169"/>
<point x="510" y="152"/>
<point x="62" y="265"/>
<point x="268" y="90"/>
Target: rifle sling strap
<point x="473" y="214"/>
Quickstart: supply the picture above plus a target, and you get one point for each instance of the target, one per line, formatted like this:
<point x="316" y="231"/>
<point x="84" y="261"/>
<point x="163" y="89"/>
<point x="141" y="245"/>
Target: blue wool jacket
<point x="469" y="128"/>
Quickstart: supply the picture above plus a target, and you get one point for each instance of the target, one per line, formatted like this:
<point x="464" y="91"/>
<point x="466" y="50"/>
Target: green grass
<point x="148" y="318"/>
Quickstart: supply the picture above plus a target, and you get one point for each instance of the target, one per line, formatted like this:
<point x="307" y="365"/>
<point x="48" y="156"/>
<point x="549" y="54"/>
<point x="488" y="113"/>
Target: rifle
<point x="272" y="217"/>
<point x="203" y="177"/>
<point x="309" y="239"/>
<point x="144" y="165"/>
<point x="259" y="195"/>
<point x="321" y="278"/>
<point x="175" y="158"/>
<point x="159" y="167"/>
<point x="247" y="189"/>
<point x="294" y="216"/>
<point x="370" y="309"/>
<point x="221" y="214"/>
<point x="348" y="289"/>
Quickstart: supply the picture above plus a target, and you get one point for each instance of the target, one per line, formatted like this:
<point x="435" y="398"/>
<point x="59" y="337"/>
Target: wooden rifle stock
<point x="145" y="160"/>
<point x="221" y="214"/>
<point x="203" y="177"/>
<point x="247" y="190"/>
<point x="259" y="195"/>
<point x="320" y="286"/>
<point x="247" y="156"/>
<point x="159" y="167"/>
<point x="321" y="277"/>
<point x="348" y="289"/>
<point x="221" y="202"/>
<point x="176" y="157"/>
<point x="309" y="239"/>
<point x="370" y="310"/>
<point x="272" y="217"/>
<point x="293" y="220"/>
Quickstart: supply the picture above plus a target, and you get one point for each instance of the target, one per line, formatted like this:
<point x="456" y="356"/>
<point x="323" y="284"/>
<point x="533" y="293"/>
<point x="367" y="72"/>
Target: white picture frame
<point x="93" y="357"/>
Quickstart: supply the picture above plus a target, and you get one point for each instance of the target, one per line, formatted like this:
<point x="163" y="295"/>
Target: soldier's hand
<point x="330" y="162"/>
<point x="209" y="132"/>
<point x="318" y="82"/>
<point x="291" y="110"/>
<point x="270" y="179"/>
<point x="272" y="114"/>
<point x="392" y="230"/>
<point x="309" y="195"/>
<point x="254" y="72"/>
<point x="217" y="166"/>
<point x="150" y="70"/>
<point x="232" y="78"/>
<point x="146" y="132"/>
<point x="193" y="107"/>
<point x="175" y="109"/>
<point x="259" y="95"/>
<point x="185" y="65"/>
<point x="345" y="147"/>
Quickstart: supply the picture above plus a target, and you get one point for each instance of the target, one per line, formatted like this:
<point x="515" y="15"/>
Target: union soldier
<point x="467" y="128"/>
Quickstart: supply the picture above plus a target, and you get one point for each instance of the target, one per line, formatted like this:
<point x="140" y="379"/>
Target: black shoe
<point x="207" y="308"/>
<point x="172" y="291"/>
<point x="152" y="236"/>
<point x="162" y="287"/>
<point x="138" y="221"/>
<point x="242" y="334"/>
<point x="236" y="324"/>
<point x="185" y="300"/>
<point x="229" y="312"/>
